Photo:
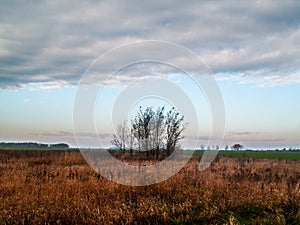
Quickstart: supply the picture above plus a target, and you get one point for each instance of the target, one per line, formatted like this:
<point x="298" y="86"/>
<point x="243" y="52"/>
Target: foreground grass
<point x="58" y="187"/>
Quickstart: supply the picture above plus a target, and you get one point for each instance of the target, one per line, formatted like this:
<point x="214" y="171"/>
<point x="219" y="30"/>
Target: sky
<point x="251" y="50"/>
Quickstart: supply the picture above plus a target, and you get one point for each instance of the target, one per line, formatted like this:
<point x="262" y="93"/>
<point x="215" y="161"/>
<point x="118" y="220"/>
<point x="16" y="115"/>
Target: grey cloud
<point x="272" y="140"/>
<point x="243" y="133"/>
<point x="57" y="40"/>
<point x="200" y="138"/>
<point x="71" y="134"/>
<point x="90" y="139"/>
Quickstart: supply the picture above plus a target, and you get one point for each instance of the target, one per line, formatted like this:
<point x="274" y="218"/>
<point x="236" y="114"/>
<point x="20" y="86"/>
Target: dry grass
<point x="58" y="187"/>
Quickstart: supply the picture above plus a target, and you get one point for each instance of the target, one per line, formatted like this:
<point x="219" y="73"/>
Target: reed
<point x="58" y="187"/>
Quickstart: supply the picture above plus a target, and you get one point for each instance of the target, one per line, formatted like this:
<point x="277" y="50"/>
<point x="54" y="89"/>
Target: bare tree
<point x="175" y="127"/>
<point x="141" y="126"/>
<point x="157" y="130"/>
<point x="130" y="141"/>
<point x="151" y="131"/>
<point x="119" y="139"/>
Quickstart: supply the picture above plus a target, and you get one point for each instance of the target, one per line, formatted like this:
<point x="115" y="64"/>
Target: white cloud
<point x="51" y="85"/>
<point x="55" y="41"/>
<point x="277" y="80"/>
<point x="259" y="79"/>
<point x="26" y="100"/>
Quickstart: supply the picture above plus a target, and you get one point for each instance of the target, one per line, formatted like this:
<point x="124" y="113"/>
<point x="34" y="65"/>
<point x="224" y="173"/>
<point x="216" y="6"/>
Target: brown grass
<point x="58" y="187"/>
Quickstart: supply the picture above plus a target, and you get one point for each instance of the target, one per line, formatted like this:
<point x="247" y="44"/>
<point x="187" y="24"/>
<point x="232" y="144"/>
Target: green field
<point x="285" y="155"/>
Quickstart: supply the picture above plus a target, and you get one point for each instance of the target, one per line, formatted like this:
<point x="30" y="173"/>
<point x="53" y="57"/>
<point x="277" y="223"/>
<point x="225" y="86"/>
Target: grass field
<point x="58" y="187"/>
<point x="289" y="155"/>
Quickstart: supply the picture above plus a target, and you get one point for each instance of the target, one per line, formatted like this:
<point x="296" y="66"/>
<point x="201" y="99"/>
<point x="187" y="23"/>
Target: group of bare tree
<point x="150" y="131"/>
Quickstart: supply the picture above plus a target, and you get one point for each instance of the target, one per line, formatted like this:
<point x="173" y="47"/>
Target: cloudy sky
<point x="252" y="49"/>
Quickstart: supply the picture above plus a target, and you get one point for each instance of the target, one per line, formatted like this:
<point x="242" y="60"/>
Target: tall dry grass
<point x="58" y="187"/>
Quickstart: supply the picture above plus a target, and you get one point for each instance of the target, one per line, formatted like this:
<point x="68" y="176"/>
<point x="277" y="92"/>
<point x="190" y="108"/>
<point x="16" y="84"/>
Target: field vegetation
<point x="58" y="187"/>
<point x="259" y="154"/>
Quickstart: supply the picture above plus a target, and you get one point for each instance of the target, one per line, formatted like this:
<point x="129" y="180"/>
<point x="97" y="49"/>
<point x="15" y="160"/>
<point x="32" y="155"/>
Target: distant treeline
<point x="33" y="145"/>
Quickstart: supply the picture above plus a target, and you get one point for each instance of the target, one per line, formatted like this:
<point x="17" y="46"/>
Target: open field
<point x="290" y="155"/>
<point x="58" y="187"/>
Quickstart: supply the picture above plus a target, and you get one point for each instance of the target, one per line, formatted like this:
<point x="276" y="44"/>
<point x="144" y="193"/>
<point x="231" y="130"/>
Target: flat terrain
<point x="291" y="155"/>
<point x="58" y="187"/>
